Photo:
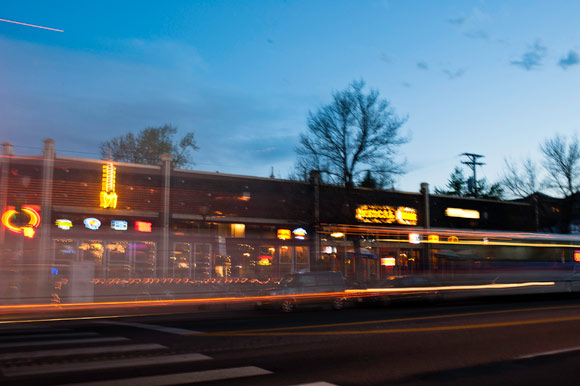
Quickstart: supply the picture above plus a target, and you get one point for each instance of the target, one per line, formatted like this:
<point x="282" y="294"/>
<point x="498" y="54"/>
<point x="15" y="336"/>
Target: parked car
<point x="306" y="289"/>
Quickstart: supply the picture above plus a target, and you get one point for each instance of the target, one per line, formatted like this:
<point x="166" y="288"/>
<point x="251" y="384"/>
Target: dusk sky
<point x="489" y="77"/>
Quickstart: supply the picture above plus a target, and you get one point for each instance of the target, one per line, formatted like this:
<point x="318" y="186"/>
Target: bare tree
<point x="147" y="146"/>
<point x="562" y="164"/>
<point x="521" y="180"/>
<point x="357" y="133"/>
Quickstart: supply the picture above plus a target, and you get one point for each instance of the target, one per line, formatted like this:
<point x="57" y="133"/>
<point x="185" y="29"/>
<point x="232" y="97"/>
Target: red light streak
<point x="31" y="25"/>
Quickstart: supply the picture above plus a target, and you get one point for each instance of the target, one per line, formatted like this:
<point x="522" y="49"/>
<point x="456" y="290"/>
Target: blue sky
<point x="487" y="77"/>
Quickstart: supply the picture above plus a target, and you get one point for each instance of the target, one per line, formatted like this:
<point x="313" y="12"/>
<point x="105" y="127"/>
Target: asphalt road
<point x="515" y="341"/>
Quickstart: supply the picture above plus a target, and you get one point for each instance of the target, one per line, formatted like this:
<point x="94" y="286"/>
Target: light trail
<point x="31" y="25"/>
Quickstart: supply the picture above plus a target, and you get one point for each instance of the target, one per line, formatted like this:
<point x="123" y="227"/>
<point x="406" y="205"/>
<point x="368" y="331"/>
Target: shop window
<point x="65" y="253"/>
<point x="93" y="251"/>
<point x="144" y="259"/>
<point x="181" y="260"/>
<point x="119" y="264"/>
<point x="285" y="260"/>
<point x="302" y="258"/>
<point x="238" y="230"/>
<point x="202" y="261"/>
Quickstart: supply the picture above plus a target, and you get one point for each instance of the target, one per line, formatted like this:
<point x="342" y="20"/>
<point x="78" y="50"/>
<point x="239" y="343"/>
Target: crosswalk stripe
<point x="6" y="330"/>
<point x="169" y="330"/>
<point x="63" y="342"/>
<point x="81" y="351"/>
<point x="101" y="365"/>
<point x="183" y="378"/>
<point x="41" y="336"/>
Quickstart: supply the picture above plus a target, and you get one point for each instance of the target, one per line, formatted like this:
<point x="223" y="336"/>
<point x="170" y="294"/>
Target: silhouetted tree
<point x="521" y="180"/>
<point x="147" y="145"/>
<point x="369" y="181"/>
<point x="458" y="186"/>
<point x="355" y="134"/>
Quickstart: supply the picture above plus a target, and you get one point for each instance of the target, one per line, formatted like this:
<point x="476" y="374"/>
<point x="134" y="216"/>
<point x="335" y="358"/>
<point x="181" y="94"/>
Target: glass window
<point x="181" y="260"/>
<point x="119" y="260"/>
<point x="65" y="253"/>
<point x="93" y="251"/>
<point x="144" y="259"/>
<point x="302" y="258"/>
<point x="202" y="261"/>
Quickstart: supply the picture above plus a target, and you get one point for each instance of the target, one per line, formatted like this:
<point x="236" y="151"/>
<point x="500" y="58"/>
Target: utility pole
<point x="473" y="163"/>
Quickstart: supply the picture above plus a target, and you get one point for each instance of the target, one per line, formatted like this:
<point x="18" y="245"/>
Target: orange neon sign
<point x="28" y="229"/>
<point x="108" y="196"/>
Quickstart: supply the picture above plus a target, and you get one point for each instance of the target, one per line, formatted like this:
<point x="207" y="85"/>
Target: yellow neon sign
<point x="386" y="214"/>
<point x="108" y="197"/>
<point x="28" y="229"/>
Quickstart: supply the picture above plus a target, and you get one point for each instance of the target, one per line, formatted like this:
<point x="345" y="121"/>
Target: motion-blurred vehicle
<point x="402" y="289"/>
<point x="306" y="289"/>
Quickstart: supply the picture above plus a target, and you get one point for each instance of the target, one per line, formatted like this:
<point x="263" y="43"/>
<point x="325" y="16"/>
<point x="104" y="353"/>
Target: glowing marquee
<point x="28" y="229"/>
<point x="386" y="214"/>
<point x="108" y="196"/>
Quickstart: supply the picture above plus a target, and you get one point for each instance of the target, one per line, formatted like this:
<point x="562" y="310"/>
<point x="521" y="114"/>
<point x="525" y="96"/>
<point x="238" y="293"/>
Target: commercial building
<point x="65" y="217"/>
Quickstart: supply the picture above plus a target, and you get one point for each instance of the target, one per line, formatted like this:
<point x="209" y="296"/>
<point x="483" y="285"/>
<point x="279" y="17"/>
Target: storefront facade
<point x="113" y="221"/>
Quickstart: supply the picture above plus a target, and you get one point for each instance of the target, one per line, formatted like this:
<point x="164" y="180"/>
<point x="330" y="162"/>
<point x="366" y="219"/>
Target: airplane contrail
<point x="31" y="25"/>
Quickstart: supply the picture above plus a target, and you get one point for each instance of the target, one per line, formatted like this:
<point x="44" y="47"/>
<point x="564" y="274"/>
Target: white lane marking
<point x="168" y="330"/>
<point x="102" y="365"/>
<point x="546" y="353"/>
<point x="183" y="378"/>
<point x="56" y="335"/>
<point x="81" y="351"/>
<point x="63" y="341"/>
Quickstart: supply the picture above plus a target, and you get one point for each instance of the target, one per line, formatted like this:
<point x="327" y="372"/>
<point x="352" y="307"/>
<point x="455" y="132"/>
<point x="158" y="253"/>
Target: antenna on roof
<point x="272" y="173"/>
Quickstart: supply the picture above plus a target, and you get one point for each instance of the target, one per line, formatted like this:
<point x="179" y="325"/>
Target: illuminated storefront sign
<point x="388" y="261"/>
<point x="453" y="239"/>
<point x="143" y="226"/>
<point x="462" y="213"/>
<point x="27" y="230"/>
<point x="337" y="235"/>
<point x="119" y="225"/>
<point x="92" y="223"/>
<point x="414" y="238"/>
<point x="265" y="260"/>
<point x="108" y="196"/>
<point x="284" y="234"/>
<point x="577" y="256"/>
<point x="299" y="233"/>
<point x="386" y="214"/>
<point x="433" y="238"/>
<point x="64" y="224"/>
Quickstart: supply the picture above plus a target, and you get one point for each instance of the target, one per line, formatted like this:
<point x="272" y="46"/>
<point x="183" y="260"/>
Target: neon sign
<point x="284" y="234"/>
<point x="299" y="233"/>
<point x="119" y="225"/>
<point x="92" y="223"/>
<point x="143" y="226"/>
<point x="108" y="196"/>
<point x="414" y="238"/>
<point x="64" y="224"/>
<point x="386" y="214"/>
<point x="28" y="229"/>
<point x="388" y="261"/>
